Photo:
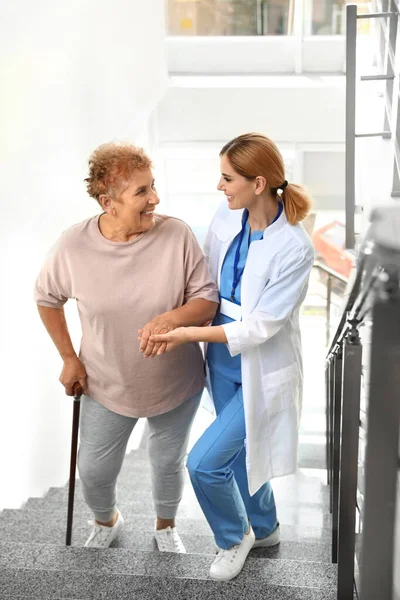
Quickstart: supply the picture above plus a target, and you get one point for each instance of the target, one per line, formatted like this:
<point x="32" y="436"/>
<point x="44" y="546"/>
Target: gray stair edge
<point x="188" y="509"/>
<point x="175" y="566"/>
<point x="34" y="517"/>
<point x="50" y="585"/>
<point x="195" y="545"/>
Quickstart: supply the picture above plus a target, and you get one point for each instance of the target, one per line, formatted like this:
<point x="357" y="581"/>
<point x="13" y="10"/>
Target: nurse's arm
<point x="275" y="306"/>
<point x="183" y="335"/>
<point x="214" y="334"/>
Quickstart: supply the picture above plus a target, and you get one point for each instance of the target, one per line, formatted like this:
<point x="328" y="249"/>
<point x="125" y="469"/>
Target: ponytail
<point x="297" y="203"/>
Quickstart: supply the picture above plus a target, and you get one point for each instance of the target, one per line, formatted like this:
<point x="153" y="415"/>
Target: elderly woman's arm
<point x="195" y="312"/>
<point x="73" y="370"/>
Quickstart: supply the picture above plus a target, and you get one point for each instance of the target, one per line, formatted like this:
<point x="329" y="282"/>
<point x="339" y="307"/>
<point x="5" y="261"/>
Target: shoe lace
<point x="175" y="539"/>
<point x="98" y="531"/>
<point x="170" y="537"/>
<point x="95" y="531"/>
<point x="227" y="554"/>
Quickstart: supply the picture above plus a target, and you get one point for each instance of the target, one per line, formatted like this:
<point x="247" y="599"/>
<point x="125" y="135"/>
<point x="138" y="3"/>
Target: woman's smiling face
<point x="238" y="190"/>
<point x="136" y="204"/>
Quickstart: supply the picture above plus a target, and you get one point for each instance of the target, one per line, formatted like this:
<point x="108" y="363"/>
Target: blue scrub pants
<point x="217" y="468"/>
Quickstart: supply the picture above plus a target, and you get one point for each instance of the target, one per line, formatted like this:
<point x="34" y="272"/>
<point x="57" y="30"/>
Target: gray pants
<point x="104" y="436"/>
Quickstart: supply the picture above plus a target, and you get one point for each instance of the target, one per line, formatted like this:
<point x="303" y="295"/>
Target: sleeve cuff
<point x="232" y="335"/>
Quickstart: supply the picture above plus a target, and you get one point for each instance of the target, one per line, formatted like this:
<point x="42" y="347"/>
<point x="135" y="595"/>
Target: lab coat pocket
<point x="280" y="388"/>
<point x="258" y="265"/>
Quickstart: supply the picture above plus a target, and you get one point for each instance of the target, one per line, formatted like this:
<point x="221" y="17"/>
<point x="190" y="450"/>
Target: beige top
<point x="119" y="287"/>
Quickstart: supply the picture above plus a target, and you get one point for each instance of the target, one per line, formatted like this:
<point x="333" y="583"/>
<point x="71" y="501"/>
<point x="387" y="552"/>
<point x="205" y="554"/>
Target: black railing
<point x="367" y="373"/>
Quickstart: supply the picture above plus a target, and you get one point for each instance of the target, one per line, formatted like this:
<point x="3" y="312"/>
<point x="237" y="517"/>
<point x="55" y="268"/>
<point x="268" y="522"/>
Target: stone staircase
<point x="35" y="564"/>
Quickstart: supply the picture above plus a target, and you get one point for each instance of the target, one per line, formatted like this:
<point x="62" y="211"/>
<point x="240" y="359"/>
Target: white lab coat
<point x="274" y="284"/>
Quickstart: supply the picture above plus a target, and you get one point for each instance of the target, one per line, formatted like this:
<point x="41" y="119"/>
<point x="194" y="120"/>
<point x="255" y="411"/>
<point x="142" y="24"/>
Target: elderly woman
<point x="128" y="269"/>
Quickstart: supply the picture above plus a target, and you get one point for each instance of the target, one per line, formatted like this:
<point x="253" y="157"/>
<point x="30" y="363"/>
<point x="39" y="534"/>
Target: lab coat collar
<point x="275" y="227"/>
<point x="271" y="229"/>
<point x="233" y="224"/>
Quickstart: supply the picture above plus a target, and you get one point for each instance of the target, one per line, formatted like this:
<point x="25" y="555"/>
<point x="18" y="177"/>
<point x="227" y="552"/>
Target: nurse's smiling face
<point x="240" y="191"/>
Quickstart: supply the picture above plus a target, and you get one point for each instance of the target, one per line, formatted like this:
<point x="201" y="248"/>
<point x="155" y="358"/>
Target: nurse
<point x="261" y="257"/>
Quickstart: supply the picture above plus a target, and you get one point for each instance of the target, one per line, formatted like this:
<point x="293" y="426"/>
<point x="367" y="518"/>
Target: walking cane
<point x="74" y="446"/>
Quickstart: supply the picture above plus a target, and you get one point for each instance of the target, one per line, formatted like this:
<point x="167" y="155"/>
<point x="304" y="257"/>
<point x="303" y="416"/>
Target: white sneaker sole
<point x="271" y="540"/>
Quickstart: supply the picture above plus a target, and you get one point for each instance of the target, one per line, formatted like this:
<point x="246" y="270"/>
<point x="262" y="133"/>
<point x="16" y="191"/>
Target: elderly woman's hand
<point x="175" y="338"/>
<point x="159" y="325"/>
<point x="73" y="372"/>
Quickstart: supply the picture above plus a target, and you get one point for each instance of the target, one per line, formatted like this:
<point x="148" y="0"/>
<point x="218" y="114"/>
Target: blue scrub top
<point x="218" y="357"/>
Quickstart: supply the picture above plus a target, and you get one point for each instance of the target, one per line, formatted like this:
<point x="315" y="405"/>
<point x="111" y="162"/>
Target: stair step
<point x="144" y="541"/>
<point x="141" y="503"/>
<point x="51" y="506"/>
<point x="290" y="495"/>
<point x="139" y="562"/>
<point x="95" y="585"/>
<point x="306" y="487"/>
<point x="47" y="560"/>
<point x="288" y="515"/>
<point x="38" y="526"/>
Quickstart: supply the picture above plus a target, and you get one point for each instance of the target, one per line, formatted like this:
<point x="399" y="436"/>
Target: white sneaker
<point x="168" y="540"/>
<point x="102" y="536"/>
<point x="230" y="562"/>
<point x="271" y="540"/>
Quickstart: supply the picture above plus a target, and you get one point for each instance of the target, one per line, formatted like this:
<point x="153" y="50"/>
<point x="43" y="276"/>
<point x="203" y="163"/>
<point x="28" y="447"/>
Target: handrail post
<point x="337" y="421"/>
<point x="331" y="415"/>
<point x="351" y="41"/>
<point x="328" y="308"/>
<point x="351" y="389"/>
<point x="327" y="421"/>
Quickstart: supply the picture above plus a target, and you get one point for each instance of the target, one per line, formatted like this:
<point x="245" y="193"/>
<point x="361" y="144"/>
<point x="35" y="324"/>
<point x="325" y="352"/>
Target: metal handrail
<point x="373" y="301"/>
<point x="355" y="289"/>
<point x="331" y="275"/>
<point x="331" y="272"/>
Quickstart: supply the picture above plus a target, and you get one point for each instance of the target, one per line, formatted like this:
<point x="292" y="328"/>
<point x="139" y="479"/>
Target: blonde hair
<point x="112" y="165"/>
<point x="253" y="155"/>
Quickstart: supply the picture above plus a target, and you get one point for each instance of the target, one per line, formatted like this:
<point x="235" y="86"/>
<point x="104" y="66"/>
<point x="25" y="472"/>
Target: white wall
<point x="255" y="54"/>
<point x="74" y="75"/>
<point x="287" y="108"/>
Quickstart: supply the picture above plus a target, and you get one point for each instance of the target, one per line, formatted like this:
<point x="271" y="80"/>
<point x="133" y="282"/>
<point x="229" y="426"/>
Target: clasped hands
<point x="162" y="334"/>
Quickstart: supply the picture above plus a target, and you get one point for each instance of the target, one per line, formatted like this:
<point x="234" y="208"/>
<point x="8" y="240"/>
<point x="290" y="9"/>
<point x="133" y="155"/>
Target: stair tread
<point x="302" y="514"/>
<point x="259" y="581"/>
<point x="145" y="542"/>
<point x="140" y="494"/>
<point x="35" y="525"/>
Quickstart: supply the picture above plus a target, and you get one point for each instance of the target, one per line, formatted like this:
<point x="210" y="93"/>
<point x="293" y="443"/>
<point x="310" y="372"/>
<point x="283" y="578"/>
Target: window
<point x="229" y="17"/>
<point x="256" y="17"/>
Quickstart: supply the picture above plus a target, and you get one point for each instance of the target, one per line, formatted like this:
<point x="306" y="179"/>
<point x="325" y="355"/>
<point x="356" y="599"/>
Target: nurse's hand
<point x="173" y="339"/>
<point x="158" y="325"/>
